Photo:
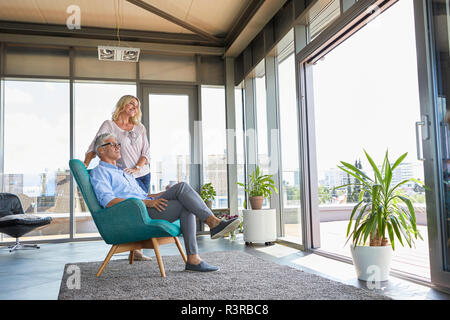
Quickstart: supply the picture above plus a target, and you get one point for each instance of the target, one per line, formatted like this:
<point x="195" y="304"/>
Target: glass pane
<point x="290" y="176"/>
<point x="214" y="143"/>
<point x="36" y="152"/>
<point x="170" y="156"/>
<point x="240" y="156"/>
<point x="93" y="104"/>
<point x="366" y="97"/>
<point x="441" y="19"/>
<point x="261" y="123"/>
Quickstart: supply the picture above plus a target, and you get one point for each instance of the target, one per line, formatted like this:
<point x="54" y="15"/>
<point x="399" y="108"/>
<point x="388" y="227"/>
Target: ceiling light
<point x="106" y="53"/>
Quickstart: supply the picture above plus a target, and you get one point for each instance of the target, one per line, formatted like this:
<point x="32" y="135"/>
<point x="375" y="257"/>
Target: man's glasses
<point x="114" y="145"/>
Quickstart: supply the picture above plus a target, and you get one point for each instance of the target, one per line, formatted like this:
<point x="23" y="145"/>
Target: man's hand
<point x="158" y="204"/>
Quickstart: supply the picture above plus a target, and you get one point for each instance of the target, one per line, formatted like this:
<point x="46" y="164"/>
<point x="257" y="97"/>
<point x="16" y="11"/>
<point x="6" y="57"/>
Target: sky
<point x="366" y="92"/>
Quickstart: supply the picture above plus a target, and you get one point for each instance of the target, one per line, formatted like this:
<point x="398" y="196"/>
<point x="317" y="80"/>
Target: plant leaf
<point x="391" y="235"/>
<point x="395" y="225"/>
<point x="353" y="168"/>
<point x="411" y="211"/>
<point x="374" y="167"/>
<point x="351" y="216"/>
<point x="399" y="160"/>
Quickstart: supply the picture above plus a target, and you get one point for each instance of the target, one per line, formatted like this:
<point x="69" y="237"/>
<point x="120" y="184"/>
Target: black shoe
<point x="224" y="227"/>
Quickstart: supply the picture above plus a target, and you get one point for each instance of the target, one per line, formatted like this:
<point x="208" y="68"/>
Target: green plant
<point x="259" y="185"/>
<point x="381" y="216"/>
<point x="207" y="192"/>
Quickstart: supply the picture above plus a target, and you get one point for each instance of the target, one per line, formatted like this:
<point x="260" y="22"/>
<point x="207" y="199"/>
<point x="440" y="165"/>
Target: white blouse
<point x="133" y="145"/>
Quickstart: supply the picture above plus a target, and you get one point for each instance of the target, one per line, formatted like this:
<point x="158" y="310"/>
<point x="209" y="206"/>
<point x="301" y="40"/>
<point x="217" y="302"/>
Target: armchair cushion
<point x="24" y="219"/>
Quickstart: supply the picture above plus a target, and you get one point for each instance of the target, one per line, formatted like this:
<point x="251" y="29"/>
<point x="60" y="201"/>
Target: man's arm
<point x="101" y="183"/>
<point x="158" y="204"/>
<point x="154" y="195"/>
<point x="114" y="201"/>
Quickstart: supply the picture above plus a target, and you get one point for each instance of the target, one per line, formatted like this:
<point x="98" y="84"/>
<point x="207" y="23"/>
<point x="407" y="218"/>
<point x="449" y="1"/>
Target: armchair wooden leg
<point x="108" y="257"/>
<point x="158" y="257"/>
<point x="183" y="255"/>
<point x="131" y="258"/>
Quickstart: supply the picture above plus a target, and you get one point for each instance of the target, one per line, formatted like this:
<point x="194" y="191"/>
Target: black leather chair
<point x="15" y="223"/>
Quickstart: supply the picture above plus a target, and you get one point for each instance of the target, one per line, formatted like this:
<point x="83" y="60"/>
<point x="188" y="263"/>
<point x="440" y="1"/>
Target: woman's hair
<point x="100" y="140"/>
<point x="120" y="105"/>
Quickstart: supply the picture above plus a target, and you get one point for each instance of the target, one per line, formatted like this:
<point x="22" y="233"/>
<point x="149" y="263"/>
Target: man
<point x="113" y="185"/>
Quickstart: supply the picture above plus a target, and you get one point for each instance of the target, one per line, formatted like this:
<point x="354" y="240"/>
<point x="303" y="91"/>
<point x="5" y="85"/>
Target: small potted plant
<point x="259" y="224"/>
<point x="208" y="194"/>
<point x="259" y="188"/>
<point x="383" y="214"/>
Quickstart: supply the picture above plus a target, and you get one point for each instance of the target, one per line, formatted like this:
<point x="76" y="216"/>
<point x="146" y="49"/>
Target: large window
<point x="36" y="152"/>
<point x="214" y="143"/>
<point x="289" y="137"/>
<point x="366" y="97"/>
<point x="240" y="156"/>
<point x="261" y="122"/>
<point x="94" y="103"/>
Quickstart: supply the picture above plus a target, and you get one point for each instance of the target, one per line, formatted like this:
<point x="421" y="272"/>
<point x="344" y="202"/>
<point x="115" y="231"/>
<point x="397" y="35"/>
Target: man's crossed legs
<point x="185" y="203"/>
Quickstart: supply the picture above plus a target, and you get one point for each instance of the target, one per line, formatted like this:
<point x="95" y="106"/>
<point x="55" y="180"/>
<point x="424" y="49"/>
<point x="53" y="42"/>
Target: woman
<point x="132" y="137"/>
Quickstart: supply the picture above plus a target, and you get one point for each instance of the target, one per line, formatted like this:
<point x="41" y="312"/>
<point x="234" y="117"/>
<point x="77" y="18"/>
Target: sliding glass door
<point x="433" y="58"/>
<point x="365" y="97"/>
<point x="169" y="113"/>
<point x="358" y="96"/>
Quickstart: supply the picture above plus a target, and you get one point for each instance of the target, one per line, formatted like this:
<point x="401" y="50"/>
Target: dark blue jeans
<point x="144" y="182"/>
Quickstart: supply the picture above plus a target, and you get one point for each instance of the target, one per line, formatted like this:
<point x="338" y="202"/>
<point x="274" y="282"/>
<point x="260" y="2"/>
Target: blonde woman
<point x="132" y="136"/>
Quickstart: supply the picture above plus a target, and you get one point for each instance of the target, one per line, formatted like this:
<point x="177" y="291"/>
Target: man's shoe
<point x="224" y="227"/>
<point x="201" y="267"/>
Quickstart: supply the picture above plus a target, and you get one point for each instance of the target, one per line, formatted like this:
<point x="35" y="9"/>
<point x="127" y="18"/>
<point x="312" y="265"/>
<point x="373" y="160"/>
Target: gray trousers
<point x="184" y="203"/>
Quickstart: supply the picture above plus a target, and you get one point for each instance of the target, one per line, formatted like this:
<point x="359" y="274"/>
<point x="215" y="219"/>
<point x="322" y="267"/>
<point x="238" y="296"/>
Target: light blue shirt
<point x="110" y="182"/>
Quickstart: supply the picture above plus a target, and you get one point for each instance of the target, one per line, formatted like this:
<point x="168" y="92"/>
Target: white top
<point x="133" y="145"/>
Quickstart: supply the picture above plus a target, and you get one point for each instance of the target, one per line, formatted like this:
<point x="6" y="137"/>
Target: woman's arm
<point x="145" y="153"/>
<point x="89" y="156"/>
<point x="141" y="162"/>
<point x="90" y="153"/>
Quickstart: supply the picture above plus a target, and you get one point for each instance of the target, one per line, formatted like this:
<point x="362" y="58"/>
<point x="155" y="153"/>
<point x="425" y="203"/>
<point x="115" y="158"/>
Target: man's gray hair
<point x="100" y="140"/>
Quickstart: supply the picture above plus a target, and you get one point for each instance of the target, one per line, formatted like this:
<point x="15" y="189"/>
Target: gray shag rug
<point x="242" y="276"/>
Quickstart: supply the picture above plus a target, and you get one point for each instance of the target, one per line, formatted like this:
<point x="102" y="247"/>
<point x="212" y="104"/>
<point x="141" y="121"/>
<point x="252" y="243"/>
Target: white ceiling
<point x="213" y="16"/>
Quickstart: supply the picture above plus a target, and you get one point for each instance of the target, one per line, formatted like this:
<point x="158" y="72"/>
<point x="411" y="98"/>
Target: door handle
<point x="425" y="135"/>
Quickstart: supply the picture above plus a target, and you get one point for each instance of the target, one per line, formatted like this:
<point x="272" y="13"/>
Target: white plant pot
<point x="260" y="225"/>
<point x="372" y="263"/>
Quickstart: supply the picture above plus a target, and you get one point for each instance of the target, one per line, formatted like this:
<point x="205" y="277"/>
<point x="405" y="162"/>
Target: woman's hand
<point x="131" y="170"/>
<point x="89" y="156"/>
<point x="159" y="204"/>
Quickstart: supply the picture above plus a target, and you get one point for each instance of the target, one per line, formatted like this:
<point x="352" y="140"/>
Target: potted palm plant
<point x="383" y="214"/>
<point x="259" y="187"/>
<point x="259" y="224"/>
<point x="208" y="194"/>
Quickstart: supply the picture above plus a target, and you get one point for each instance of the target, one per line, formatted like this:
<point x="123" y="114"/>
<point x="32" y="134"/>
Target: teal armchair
<point x="126" y="226"/>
